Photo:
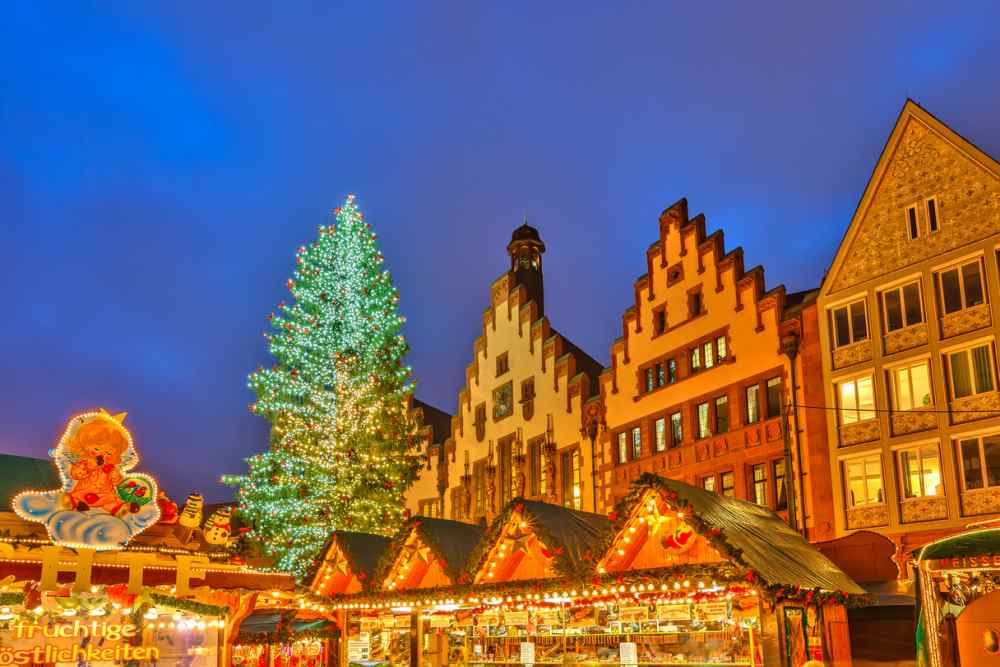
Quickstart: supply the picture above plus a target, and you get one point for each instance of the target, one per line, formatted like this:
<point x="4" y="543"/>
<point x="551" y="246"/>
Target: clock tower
<point x="525" y="250"/>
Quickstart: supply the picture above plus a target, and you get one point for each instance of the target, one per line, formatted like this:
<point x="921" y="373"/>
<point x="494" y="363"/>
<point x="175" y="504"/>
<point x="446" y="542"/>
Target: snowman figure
<point x="218" y="528"/>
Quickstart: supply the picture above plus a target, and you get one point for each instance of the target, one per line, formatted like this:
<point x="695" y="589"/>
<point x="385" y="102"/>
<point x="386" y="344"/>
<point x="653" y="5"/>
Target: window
<point x="650" y="378"/>
<point x="428" y="508"/>
<point x="659" y="375"/>
<point x="728" y="484"/>
<point x="636" y="443"/>
<point x="932" y="215"/>
<point x="780" y="492"/>
<point x="912" y="229"/>
<point x="753" y="404"/>
<point x="504" y="449"/>
<point x="480" y="422"/>
<point x="457" y="496"/>
<point x="720" y="348"/>
<point x="479" y="478"/>
<point x="773" y="397"/>
<point x="850" y="324"/>
<point x="672" y="370"/>
<point x="676" y="430"/>
<point x="864" y="481"/>
<point x="920" y="472"/>
<point x="661" y="434"/>
<point x="857" y="400"/>
<point x="911" y="386"/>
<point x="694" y="303"/>
<point x="535" y="479"/>
<point x="708" y="483"/>
<point x="703" y="430"/>
<point x="971" y="371"/>
<point x="961" y="287"/>
<point x="622" y="447"/>
<point x="502" y="365"/>
<point x="571" y="491"/>
<point x="758" y="483"/>
<point x="660" y="321"/>
<point x="722" y="414"/>
<point x="696" y="359"/>
<point x="902" y="307"/>
<point x="708" y="354"/>
<point x="980" y="462"/>
<point x="527" y="390"/>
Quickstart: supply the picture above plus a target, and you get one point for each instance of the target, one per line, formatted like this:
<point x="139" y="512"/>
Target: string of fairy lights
<point x="341" y="451"/>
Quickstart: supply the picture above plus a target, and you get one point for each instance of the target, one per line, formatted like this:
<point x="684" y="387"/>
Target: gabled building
<point x="707" y="362"/>
<point x="909" y="340"/>
<point x="517" y="430"/>
<point x="434" y="429"/>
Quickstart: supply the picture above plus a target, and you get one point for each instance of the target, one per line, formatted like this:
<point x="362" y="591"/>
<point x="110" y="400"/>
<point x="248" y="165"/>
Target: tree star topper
<point x="101" y="505"/>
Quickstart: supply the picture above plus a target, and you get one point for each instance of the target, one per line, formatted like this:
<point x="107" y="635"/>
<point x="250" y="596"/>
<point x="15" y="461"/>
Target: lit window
<point x="857" y="400"/>
<point x="636" y="443"/>
<point x="708" y="483"/>
<point x="780" y="492"/>
<point x="728" y="484"/>
<point x="753" y="404"/>
<point x="720" y="347"/>
<point x="696" y="359"/>
<point x="902" y="307"/>
<point x="676" y="430"/>
<point x="572" y="496"/>
<point x="971" y="371"/>
<point x="912" y="386"/>
<point x="850" y="324"/>
<point x="758" y="483"/>
<point x="920" y="472"/>
<point x="622" y="447"/>
<point x="661" y="434"/>
<point x="980" y="462"/>
<point x="708" y="354"/>
<point x="703" y="429"/>
<point x="864" y="481"/>
<point x="961" y="287"/>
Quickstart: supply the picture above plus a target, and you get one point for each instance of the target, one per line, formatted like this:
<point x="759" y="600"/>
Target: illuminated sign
<point x="101" y="504"/>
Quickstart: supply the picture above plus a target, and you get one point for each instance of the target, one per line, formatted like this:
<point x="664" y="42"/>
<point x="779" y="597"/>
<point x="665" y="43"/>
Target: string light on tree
<point x="341" y="448"/>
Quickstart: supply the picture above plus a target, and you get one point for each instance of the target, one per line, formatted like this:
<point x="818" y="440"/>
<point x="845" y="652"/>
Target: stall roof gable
<point x="748" y="534"/>
<point x="571" y="534"/>
<point x="451" y="542"/>
<point x="361" y="550"/>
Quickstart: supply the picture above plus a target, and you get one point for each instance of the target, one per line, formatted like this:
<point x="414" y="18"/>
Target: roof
<point x="970" y="543"/>
<point x="571" y="532"/>
<point x="451" y="541"/>
<point x="438" y="420"/>
<point x="796" y="301"/>
<point x="585" y="363"/>
<point x="21" y="473"/>
<point x="751" y="535"/>
<point x="526" y="233"/>
<point x="362" y="550"/>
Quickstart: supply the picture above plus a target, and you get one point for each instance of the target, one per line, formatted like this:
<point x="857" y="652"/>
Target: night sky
<point x="160" y="163"/>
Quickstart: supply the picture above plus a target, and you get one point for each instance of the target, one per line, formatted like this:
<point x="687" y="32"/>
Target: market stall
<point x="98" y="565"/>
<point x="957" y="583"/>
<point x="675" y="575"/>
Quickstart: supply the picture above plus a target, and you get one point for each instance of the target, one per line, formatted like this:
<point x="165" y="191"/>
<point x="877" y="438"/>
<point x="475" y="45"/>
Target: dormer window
<point x="932" y="215"/>
<point x="912" y="226"/>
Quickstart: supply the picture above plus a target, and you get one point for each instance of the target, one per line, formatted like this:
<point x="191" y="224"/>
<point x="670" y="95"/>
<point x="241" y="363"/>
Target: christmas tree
<point x="341" y="453"/>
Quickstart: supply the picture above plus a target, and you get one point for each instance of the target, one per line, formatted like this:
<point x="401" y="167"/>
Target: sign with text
<point x="94" y="641"/>
<point x="673" y="612"/>
<point x="713" y="611"/>
<point x="634" y="614"/>
<point x="628" y="653"/>
<point x="515" y="617"/>
<point x="527" y="653"/>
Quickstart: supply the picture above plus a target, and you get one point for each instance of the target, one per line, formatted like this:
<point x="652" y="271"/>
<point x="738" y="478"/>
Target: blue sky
<point x="160" y="163"/>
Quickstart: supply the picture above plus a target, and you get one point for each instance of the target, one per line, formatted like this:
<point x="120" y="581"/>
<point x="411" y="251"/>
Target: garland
<point x="625" y="583"/>
<point x="11" y="599"/>
<point x="191" y="606"/>
<point x="284" y="633"/>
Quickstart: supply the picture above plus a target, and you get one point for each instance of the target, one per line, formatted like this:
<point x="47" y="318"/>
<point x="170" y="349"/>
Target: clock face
<point x="525" y="261"/>
<point x="503" y="400"/>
